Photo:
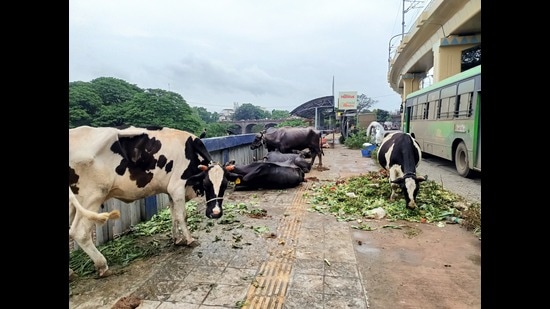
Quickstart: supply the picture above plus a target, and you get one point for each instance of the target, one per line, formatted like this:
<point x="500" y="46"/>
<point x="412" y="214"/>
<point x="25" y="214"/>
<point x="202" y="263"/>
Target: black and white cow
<point x="289" y="139"/>
<point x="265" y="175"/>
<point x="297" y="159"/>
<point x="399" y="153"/>
<point x="134" y="163"/>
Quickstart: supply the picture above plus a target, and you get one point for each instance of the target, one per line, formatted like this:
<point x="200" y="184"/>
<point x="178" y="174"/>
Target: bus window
<point x="464" y="109"/>
<point x="447" y="105"/>
<point x="456" y="107"/>
<point x="439" y="103"/>
<point x="426" y="107"/>
<point x="431" y="109"/>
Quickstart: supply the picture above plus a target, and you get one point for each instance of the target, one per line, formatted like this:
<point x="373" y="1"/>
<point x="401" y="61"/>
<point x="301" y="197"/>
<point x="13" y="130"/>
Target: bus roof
<point x="447" y="81"/>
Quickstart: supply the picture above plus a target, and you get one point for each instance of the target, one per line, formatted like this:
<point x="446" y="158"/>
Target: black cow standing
<point x="289" y="139"/>
<point x="399" y="154"/>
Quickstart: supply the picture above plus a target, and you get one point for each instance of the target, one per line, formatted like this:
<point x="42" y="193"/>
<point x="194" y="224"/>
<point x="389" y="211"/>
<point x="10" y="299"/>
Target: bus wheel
<point x="461" y="160"/>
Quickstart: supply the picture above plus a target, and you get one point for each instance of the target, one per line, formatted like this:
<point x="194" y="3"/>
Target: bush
<point x="357" y="139"/>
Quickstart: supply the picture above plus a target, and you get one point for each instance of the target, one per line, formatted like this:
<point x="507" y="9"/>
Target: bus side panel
<point x="476" y="165"/>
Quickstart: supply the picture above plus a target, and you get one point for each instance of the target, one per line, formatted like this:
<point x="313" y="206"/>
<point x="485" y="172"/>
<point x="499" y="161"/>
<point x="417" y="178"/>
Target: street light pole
<point x="389" y="49"/>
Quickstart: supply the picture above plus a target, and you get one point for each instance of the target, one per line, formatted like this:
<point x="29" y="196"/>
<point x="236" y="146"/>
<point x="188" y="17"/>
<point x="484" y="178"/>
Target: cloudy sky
<point x="276" y="54"/>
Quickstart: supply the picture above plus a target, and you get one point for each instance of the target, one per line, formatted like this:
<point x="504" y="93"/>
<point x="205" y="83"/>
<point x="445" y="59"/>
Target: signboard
<point x="347" y="100"/>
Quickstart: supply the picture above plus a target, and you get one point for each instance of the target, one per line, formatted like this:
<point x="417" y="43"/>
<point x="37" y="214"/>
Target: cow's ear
<point x="230" y="168"/>
<point x="196" y="179"/>
<point x="398" y="180"/>
<point x="203" y="167"/>
<point x="422" y="178"/>
<point x="233" y="177"/>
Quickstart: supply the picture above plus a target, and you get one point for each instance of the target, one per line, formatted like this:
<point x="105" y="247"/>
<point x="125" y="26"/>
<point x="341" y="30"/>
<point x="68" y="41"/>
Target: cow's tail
<point x="100" y="218"/>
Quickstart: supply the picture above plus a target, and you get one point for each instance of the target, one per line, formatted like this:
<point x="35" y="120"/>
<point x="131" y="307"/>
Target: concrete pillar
<point x="411" y="83"/>
<point x="448" y="55"/>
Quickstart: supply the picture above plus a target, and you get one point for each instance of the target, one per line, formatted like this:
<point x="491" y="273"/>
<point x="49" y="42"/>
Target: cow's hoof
<point x="183" y="242"/>
<point x="72" y="275"/>
<point x="194" y="243"/>
<point x="105" y="273"/>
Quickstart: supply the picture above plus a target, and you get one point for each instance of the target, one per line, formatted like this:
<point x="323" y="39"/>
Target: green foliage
<point x="113" y="90"/>
<point x="353" y="199"/>
<point x="279" y="114"/>
<point x="108" y="101"/>
<point x="249" y="111"/>
<point x="357" y="139"/>
<point x="216" y="129"/>
<point x="205" y="115"/>
<point x="382" y="115"/>
<point x="85" y="104"/>
<point x="293" y="123"/>
<point x="150" y="237"/>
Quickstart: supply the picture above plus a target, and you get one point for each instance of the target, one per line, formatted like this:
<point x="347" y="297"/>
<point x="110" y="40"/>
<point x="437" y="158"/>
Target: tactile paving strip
<point x="269" y="287"/>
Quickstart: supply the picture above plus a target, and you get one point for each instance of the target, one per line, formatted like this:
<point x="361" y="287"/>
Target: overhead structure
<point x="320" y="110"/>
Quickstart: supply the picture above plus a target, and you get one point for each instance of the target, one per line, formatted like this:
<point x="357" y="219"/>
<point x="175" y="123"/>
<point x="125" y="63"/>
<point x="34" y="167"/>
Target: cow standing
<point x="134" y="163"/>
<point x="289" y="139"/>
<point x="399" y="153"/>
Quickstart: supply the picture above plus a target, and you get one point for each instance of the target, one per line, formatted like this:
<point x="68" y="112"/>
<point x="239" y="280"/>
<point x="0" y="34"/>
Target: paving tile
<point x="226" y="295"/>
<point x="341" y="302"/>
<point x="149" y="304"/>
<point x="169" y="305"/>
<point x="190" y="292"/>
<point x="296" y="299"/>
<point x="237" y="276"/>
<point x="309" y="267"/>
<point x="342" y="269"/>
<point x="205" y="274"/>
<point x="343" y="286"/>
<point x="306" y="283"/>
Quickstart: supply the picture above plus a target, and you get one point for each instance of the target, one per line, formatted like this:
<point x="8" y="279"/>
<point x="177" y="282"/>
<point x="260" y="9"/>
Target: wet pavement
<point x="302" y="259"/>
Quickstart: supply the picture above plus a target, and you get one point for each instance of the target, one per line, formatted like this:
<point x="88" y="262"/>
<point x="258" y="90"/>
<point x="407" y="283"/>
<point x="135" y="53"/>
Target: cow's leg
<point x="180" y="232"/>
<point x="394" y="188"/>
<point x="81" y="232"/>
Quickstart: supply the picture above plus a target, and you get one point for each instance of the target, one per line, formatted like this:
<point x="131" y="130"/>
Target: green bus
<point x="445" y="119"/>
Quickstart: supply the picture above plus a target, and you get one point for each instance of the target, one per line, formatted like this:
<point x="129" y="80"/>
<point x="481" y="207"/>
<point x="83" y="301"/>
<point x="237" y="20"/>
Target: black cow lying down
<point x="265" y="175"/>
<point x="297" y="159"/>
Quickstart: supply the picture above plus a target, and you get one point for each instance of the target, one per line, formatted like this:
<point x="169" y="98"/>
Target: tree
<point x="205" y="115"/>
<point x="84" y="104"/>
<point x="249" y="111"/>
<point x="364" y="103"/>
<point x="298" y="122"/>
<point x="382" y="115"/>
<point x="279" y="114"/>
<point x="113" y="90"/>
<point x="165" y="108"/>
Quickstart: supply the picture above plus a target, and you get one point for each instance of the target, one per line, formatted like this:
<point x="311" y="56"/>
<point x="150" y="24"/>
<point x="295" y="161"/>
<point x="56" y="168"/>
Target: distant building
<point x="226" y="114"/>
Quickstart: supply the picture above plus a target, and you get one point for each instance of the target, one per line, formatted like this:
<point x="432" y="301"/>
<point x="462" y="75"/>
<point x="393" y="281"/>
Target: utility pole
<point x="413" y="5"/>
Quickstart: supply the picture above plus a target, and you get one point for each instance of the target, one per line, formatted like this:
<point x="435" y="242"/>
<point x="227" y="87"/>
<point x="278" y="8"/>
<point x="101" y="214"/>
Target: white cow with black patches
<point x="399" y="153"/>
<point x="134" y="163"/>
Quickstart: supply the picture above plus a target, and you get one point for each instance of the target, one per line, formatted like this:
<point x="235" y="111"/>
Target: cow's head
<point x="410" y="184"/>
<point x="258" y="140"/>
<point x="212" y="182"/>
<point x="302" y="163"/>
